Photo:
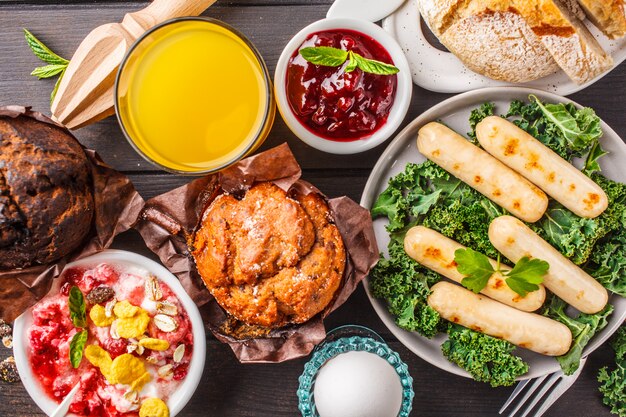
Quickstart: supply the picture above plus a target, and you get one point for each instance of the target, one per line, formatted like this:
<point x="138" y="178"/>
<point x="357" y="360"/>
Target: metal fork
<point x="559" y="383"/>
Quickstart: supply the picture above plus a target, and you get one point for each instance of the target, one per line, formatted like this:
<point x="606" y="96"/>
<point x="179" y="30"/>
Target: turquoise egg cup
<point x="346" y="339"/>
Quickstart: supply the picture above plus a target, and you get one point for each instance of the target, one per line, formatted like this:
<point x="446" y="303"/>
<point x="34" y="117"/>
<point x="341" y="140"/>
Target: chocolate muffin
<point x="46" y="199"/>
<point x="270" y="259"/>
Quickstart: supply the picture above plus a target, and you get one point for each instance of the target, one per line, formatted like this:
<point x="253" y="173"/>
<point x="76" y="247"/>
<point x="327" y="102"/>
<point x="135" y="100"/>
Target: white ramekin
<point x="398" y="109"/>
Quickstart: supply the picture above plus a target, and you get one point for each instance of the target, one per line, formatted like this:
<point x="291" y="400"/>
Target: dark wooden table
<point x="227" y="387"/>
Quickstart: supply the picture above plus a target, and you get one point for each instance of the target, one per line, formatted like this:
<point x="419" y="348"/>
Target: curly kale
<point x="404" y="285"/>
<point x="486" y="358"/>
<point x="478" y="114"/>
<point x="583" y="328"/>
<point x="613" y="383"/>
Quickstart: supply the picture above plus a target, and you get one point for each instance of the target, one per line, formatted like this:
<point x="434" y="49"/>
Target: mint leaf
<point x="334" y="57"/>
<point x="374" y="67"/>
<point x="324" y="55"/>
<point x="526" y="276"/>
<point x="78" y="310"/>
<point x="476" y="268"/>
<point x="352" y="64"/>
<point x="77" y="346"/>
<point x="42" y="51"/>
<point x="56" y="87"/>
<point x="48" y="71"/>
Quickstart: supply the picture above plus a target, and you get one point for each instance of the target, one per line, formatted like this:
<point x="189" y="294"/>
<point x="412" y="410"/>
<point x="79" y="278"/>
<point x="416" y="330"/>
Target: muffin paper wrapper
<point x="168" y="222"/>
<point x="116" y="207"/>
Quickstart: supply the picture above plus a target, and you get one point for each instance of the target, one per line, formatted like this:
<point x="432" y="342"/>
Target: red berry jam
<point x="339" y="105"/>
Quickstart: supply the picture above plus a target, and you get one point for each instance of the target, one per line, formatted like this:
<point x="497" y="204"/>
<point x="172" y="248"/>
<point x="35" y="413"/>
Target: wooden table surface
<point x="229" y="388"/>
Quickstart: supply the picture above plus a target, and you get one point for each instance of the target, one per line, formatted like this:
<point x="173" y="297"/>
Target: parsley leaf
<point x="476" y="268"/>
<point x="526" y="276"/>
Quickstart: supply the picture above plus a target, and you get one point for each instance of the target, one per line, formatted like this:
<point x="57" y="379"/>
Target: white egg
<point x="357" y="384"/>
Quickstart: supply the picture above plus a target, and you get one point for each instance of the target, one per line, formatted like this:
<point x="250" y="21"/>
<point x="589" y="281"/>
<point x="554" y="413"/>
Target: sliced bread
<point x="569" y="41"/>
<point x="499" y="45"/>
<point x="607" y="15"/>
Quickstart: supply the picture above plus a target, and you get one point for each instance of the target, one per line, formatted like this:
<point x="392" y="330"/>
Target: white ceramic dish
<point x="126" y="259"/>
<point x="401" y="101"/>
<point x="454" y="112"/>
<point x="442" y="72"/>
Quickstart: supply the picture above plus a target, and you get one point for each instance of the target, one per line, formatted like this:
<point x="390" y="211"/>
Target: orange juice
<point x="193" y="96"/>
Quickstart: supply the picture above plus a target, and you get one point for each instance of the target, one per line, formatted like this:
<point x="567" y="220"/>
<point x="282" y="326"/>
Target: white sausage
<point x="481" y="171"/>
<point x="570" y="283"/>
<point x="435" y="251"/>
<point x="528" y="330"/>
<point x="541" y="166"/>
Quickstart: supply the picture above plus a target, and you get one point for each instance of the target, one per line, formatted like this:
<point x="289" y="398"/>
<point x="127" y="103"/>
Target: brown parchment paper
<point x="117" y="205"/>
<point x="169" y="220"/>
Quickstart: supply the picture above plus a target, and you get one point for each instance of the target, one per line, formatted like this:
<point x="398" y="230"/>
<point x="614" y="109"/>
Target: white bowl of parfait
<point x="145" y="344"/>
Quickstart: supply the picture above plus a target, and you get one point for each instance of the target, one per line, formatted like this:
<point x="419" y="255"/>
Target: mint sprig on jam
<point x="335" y="57"/>
<point x="78" y="314"/>
<point x="525" y="277"/>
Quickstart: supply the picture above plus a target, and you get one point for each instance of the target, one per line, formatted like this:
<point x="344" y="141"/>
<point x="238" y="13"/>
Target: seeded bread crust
<point x="472" y="24"/>
<point x="607" y="15"/>
<point x="46" y="201"/>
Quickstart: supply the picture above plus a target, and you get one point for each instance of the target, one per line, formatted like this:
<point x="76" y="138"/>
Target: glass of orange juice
<point x="193" y="96"/>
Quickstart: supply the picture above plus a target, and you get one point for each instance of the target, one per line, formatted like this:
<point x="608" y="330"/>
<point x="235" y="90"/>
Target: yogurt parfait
<point x="119" y="332"/>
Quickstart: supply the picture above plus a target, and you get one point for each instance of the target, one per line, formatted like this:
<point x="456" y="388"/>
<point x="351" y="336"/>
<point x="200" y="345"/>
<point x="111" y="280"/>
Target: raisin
<point x="100" y="294"/>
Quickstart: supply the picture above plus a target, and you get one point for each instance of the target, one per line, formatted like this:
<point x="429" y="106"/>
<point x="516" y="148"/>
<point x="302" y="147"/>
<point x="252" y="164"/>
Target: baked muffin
<point x="46" y="201"/>
<point x="270" y="259"/>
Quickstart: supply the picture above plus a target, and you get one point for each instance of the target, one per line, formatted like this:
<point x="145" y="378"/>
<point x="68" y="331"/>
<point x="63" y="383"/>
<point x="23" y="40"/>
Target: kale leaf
<point x="404" y="285"/>
<point x="613" y="383"/>
<point x="583" y="328"/>
<point x="486" y="358"/>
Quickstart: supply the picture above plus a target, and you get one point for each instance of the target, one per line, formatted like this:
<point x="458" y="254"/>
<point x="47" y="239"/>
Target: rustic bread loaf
<point x="513" y="53"/>
<point x="556" y="25"/>
<point x="46" y="201"/>
<point x="607" y="15"/>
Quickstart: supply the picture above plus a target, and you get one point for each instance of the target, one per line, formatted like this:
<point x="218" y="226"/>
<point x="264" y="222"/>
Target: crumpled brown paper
<point x="117" y="205"/>
<point x="168" y="222"/>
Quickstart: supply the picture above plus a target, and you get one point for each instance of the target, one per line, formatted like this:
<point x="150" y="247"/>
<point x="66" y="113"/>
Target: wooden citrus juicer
<point x="85" y="93"/>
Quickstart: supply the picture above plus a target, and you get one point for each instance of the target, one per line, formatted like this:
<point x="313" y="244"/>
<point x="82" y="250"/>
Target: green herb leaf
<point x="48" y="71"/>
<point x="324" y="55"/>
<point x="374" y="67"/>
<point x="42" y="51"/>
<point x="78" y="310"/>
<point x="352" y="63"/>
<point x="526" y="275"/>
<point x="334" y="57"/>
<point x="56" y="87"/>
<point x="77" y="346"/>
<point x="476" y="268"/>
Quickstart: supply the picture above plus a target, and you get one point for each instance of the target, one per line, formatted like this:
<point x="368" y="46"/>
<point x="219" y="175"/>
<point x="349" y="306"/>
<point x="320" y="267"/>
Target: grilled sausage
<point x="528" y="330"/>
<point x="516" y="240"/>
<point x="435" y="251"/>
<point x="481" y="171"/>
<point x="541" y="166"/>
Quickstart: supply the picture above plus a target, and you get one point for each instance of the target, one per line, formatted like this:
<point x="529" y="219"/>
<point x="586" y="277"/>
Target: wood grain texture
<point x="229" y="388"/>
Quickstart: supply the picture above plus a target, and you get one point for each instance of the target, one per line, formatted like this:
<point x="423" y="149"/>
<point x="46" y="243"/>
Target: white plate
<point x="443" y="72"/>
<point x="125" y="259"/>
<point x="455" y="112"/>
